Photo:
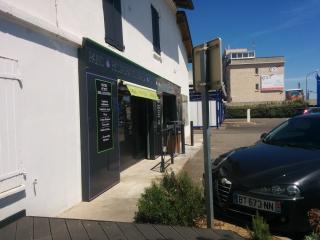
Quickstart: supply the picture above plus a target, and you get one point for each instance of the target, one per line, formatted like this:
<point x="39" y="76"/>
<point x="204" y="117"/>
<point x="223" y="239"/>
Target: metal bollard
<point x="183" y="141"/>
<point x="248" y="115"/>
<point x="162" y="160"/>
<point x="191" y="133"/>
<point x="172" y="157"/>
<point x="163" y="150"/>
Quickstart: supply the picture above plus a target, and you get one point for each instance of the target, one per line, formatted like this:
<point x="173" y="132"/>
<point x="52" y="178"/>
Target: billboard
<point x="273" y="82"/>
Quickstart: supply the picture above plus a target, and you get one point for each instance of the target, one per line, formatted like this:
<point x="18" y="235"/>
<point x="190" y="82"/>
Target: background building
<point x="78" y="79"/>
<point x="251" y="79"/>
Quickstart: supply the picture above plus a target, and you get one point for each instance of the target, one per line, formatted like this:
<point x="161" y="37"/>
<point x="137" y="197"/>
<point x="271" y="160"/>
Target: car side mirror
<point x="263" y="135"/>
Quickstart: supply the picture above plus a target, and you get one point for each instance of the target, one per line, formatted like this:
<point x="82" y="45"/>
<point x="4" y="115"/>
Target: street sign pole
<point x="206" y="140"/>
<point x="207" y="75"/>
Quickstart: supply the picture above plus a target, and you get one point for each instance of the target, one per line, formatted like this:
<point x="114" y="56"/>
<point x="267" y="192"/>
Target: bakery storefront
<point x="123" y="108"/>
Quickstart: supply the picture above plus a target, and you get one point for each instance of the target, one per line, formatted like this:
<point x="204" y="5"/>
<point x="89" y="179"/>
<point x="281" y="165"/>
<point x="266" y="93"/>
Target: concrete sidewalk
<point x="120" y="202"/>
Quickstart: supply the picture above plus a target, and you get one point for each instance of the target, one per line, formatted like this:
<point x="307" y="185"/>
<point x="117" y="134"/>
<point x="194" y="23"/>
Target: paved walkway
<point x="35" y="228"/>
<point x="120" y="202"/>
<point x="234" y="133"/>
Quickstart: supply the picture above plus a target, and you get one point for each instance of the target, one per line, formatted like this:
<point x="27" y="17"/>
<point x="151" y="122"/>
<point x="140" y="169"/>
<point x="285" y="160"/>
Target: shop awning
<point x="140" y="91"/>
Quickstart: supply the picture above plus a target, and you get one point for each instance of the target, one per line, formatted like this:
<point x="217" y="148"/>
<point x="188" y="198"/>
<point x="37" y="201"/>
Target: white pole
<point x="248" y="115"/>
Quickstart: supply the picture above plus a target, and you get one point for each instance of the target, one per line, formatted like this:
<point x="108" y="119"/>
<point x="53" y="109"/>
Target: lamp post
<point x="310" y="73"/>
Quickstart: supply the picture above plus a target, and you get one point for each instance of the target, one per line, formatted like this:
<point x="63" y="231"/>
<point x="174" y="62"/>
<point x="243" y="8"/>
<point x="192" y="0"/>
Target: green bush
<point x="266" y="110"/>
<point x="260" y="229"/>
<point x="175" y="200"/>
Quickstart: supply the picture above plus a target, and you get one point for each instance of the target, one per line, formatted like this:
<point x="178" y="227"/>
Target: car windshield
<point x="314" y="110"/>
<point x="296" y="132"/>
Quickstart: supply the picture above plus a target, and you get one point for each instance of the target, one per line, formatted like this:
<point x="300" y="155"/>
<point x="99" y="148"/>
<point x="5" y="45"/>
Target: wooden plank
<point x="130" y="231"/>
<point x="41" y="229"/>
<point x="94" y="230"/>
<point x="228" y="235"/>
<point x="25" y="229"/>
<point x="207" y="233"/>
<point x="168" y="232"/>
<point x="112" y="230"/>
<point x="149" y="232"/>
<point x="187" y="233"/>
<point x="59" y="229"/>
<point x="76" y="230"/>
<point x="9" y="231"/>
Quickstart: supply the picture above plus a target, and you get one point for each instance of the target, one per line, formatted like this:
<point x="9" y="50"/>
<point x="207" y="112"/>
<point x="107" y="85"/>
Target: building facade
<point x="251" y="79"/>
<point x="78" y="80"/>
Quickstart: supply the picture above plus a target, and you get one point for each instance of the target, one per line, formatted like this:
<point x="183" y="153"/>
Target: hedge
<point x="267" y="110"/>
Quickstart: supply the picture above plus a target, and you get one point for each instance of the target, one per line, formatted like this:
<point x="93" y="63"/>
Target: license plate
<point x="260" y="204"/>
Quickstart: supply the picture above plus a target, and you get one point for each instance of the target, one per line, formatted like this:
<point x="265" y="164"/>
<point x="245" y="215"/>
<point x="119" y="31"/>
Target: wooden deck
<point x="36" y="228"/>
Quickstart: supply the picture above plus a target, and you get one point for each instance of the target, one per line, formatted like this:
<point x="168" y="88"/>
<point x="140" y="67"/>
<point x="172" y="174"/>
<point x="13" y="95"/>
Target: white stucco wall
<point x="85" y="19"/>
<point x="47" y="118"/>
<point x="48" y="125"/>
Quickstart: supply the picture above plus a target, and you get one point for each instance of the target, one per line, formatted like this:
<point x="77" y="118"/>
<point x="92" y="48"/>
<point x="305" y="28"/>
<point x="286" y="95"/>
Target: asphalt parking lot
<point x="232" y="134"/>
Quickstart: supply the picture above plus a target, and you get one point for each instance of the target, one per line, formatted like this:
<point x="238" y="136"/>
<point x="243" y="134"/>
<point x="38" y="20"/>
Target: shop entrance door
<point x="170" y="112"/>
<point x="135" y="119"/>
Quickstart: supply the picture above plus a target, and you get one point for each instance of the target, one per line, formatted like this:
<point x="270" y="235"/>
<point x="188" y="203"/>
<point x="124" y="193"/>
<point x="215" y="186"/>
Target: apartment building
<point x="251" y="79"/>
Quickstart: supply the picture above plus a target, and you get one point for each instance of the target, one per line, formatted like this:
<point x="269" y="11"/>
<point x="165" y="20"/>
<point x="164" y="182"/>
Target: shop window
<point x="113" y="23"/>
<point x="155" y="30"/>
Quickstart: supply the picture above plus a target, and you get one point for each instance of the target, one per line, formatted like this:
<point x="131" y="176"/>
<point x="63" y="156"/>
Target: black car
<point x="279" y="176"/>
<point x="311" y="110"/>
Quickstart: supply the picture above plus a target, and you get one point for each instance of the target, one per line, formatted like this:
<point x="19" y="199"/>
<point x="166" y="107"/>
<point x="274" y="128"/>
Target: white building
<point x="75" y="76"/>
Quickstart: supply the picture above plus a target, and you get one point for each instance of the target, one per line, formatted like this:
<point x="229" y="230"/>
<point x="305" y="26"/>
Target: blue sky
<point x="289" y="28"/>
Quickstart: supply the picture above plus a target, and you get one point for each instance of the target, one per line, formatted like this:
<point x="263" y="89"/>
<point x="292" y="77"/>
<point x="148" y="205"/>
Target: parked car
<point x="311" y="110"/>
<point x="279" y="176"/>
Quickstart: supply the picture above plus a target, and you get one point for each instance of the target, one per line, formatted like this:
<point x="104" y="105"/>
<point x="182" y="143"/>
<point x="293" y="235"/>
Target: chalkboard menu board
<point x="104" y="115"/>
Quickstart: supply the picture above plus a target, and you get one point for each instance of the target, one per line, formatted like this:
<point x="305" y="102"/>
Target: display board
<point x="273" y="82"/>
<point x="104" y="115"/>
<point x="100" y="152"/>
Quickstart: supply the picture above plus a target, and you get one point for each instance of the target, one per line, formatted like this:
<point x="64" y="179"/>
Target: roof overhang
<point x="182" y="22"/>
<point x="187" y="4"/>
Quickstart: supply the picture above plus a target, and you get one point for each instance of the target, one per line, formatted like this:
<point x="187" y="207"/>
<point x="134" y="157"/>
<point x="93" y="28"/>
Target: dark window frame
<point x="113" y="23"/>
<point x="257" y="70"/>
<point x="155" y="29"/>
